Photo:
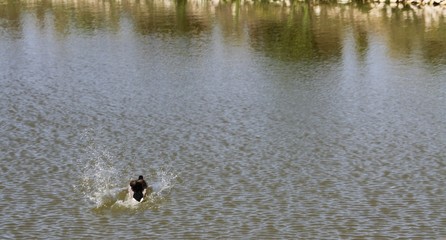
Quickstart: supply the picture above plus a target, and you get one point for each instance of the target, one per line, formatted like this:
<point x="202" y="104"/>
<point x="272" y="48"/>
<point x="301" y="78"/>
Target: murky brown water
<point x="252" y="121"/>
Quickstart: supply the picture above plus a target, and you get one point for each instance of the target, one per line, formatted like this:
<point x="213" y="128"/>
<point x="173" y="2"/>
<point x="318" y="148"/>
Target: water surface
<point x="252" y="121"/>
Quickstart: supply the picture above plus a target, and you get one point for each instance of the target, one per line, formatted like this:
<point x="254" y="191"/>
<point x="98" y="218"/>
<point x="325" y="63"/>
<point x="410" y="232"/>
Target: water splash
<point x="161" y="180"/>
<point x="104" y="183"/>
<point x="99" y="178"/>
<point x="164" y="181"/>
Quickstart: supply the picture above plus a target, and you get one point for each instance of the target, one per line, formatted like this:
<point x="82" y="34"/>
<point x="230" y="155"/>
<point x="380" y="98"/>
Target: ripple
<point x="241" y="141"/>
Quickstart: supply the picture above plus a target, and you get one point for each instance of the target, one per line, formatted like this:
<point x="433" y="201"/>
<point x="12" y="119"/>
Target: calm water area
<point x="251" y="120"/>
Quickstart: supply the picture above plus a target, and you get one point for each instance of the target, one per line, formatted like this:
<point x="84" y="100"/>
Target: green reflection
<point x="10" y="15"/>
<point x="291" y="31"/>
<point x="290" y="36"/>
<point x="174" y="17"/>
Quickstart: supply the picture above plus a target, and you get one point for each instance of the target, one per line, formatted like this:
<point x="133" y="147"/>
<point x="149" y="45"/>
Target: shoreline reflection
<point x="294" y="31"/>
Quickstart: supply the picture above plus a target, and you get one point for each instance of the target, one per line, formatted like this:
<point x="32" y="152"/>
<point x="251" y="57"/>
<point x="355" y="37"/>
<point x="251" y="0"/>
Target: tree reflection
<point x="173" y="17"/>
<point x="10" y="16"/>
<point x="285" y="36"/>
<point x="287" y="30"/>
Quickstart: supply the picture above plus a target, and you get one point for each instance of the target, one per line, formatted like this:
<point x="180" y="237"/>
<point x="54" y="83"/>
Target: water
<point x="251" y="121"/>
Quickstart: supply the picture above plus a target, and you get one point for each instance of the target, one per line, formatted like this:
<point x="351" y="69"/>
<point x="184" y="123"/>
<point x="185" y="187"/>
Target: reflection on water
<point x="295" y="32"/>
<point x="257" y="120"/>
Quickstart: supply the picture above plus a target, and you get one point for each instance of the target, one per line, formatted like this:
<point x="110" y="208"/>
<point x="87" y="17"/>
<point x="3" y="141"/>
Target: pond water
<point x="252" y="120"/>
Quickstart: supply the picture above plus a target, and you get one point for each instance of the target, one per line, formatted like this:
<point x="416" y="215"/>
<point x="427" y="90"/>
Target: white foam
<point x="104" y="185"/>
<point x="164" y="181"/>
<point x="99" y="179"/>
